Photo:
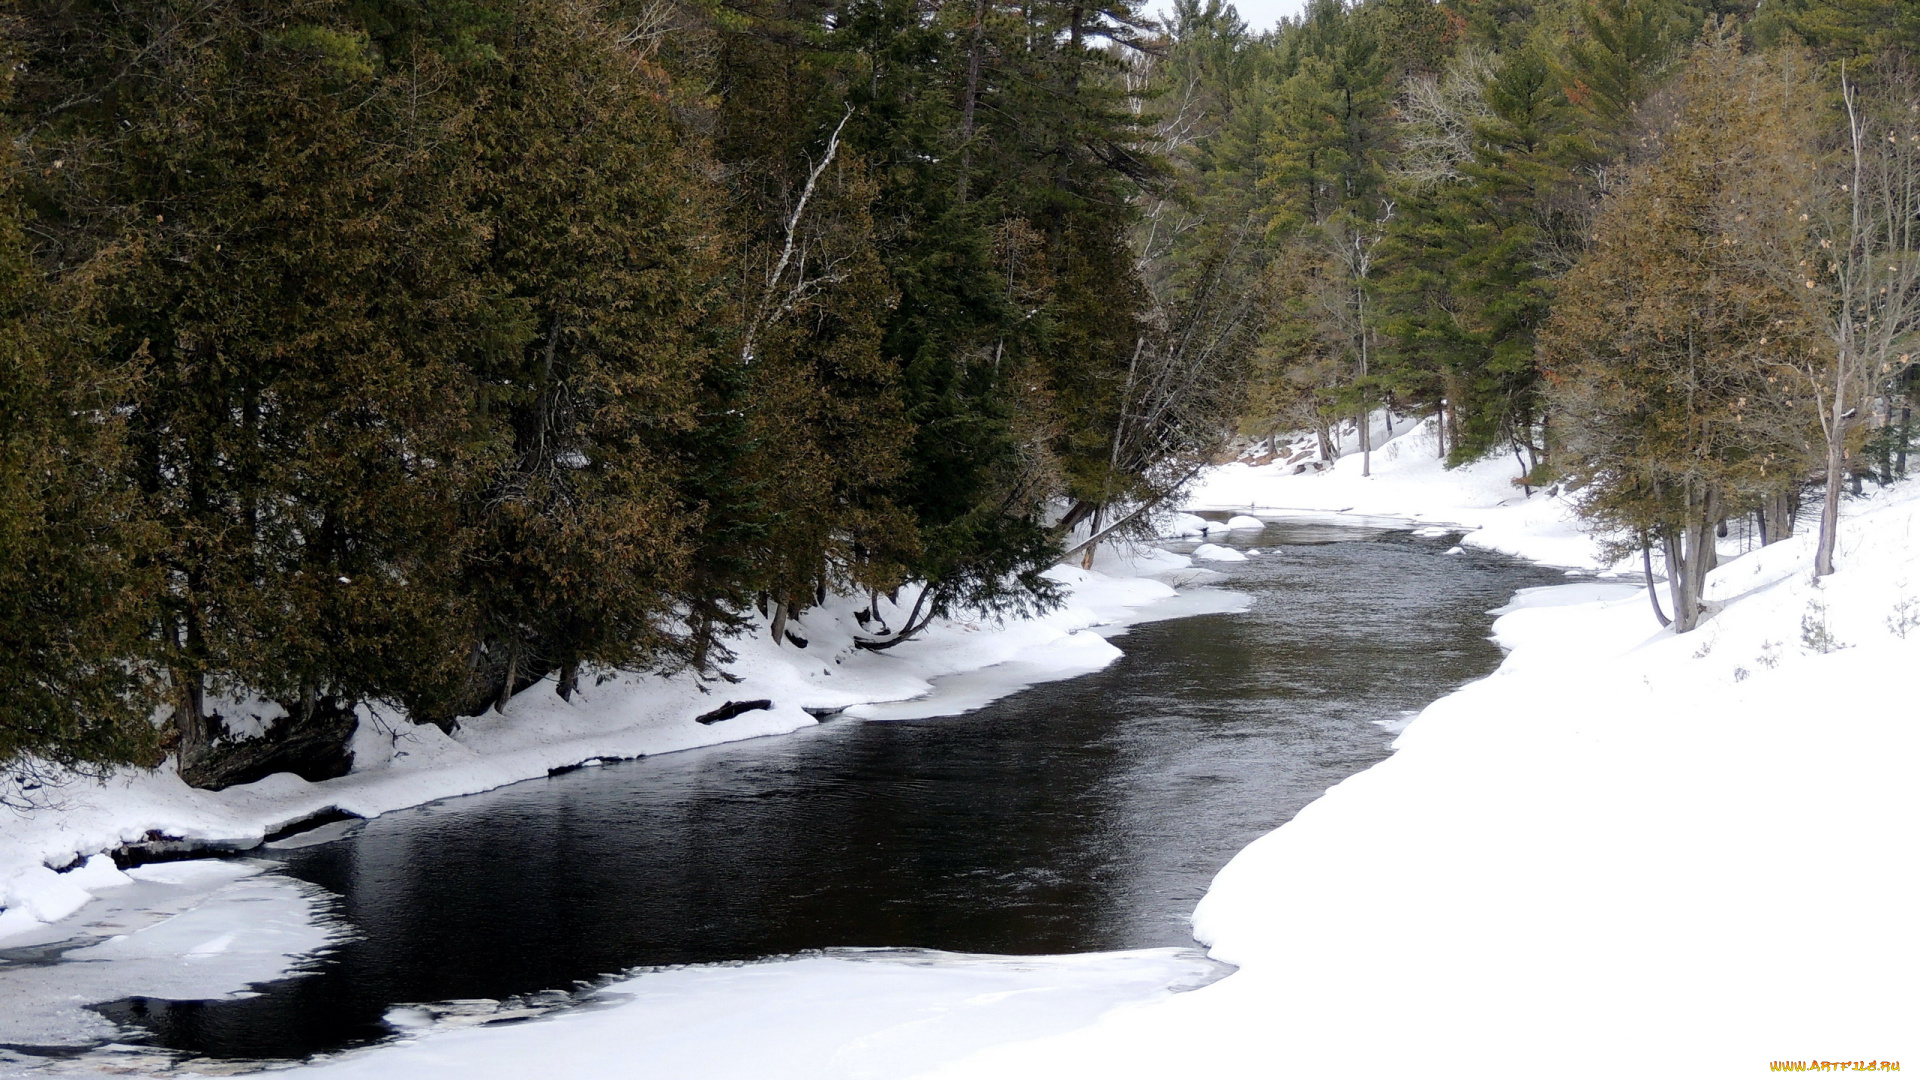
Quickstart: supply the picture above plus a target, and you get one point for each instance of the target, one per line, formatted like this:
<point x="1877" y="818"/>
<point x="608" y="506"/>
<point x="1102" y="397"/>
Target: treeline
<point x="415" y="350"/>
<point x="1658" y="251"/>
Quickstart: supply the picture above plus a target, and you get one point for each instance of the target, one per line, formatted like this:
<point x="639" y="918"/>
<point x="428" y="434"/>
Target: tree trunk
<point x="1830" y="513"/>
<point x="1093" y="540"/>
<point x="1690" y="555"/>
<point x="1776" y="518"/>
<point x="1684" y="608"/>
<point x="779" y="621"/>
<point x="569" y="680"/>
<point x="190" y="719"/>
<point x="1886" y="441"/>
<point x="513" y="675"/>
<point x="702" y="639"/>
<point x="190" y="715"/>
<point x="967" y="104"/>
<point x="545" y="402"/>
<point x="1326" y="439"/>
<point x="914" y="624"/>
<point x="1701" y="560"/>
<point x="1365" y="430"/>
<point x="1653" y="594"/>
<point x="1906" y="435"/>
<point x="1080" y="511"/>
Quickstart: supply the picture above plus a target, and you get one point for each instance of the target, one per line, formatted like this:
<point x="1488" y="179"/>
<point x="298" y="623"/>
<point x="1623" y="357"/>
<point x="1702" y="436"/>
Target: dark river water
<point x="1081" y="815"/>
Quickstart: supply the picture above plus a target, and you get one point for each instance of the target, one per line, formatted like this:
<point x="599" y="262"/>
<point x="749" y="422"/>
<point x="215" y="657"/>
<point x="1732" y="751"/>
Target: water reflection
<point x="1083" y="815"/>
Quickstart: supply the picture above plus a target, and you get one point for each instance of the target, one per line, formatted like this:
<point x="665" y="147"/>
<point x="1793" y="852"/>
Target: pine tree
<point x="1327" y="210"/>
<point x="1619" y="56"/>
<point x="1471" y="259"/>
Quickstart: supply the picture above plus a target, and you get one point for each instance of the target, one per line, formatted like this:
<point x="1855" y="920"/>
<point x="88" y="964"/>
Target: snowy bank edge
<point x="1318" y="914"/>
<point x="44" y="851"/>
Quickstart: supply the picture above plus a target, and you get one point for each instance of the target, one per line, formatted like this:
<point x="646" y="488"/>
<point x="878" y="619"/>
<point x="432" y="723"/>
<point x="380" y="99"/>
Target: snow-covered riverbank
<point x="1411" y="483"/>
<point x="958" y="665"/>
<point x="1627" y="853"/>
<point x="1624" y="853"/>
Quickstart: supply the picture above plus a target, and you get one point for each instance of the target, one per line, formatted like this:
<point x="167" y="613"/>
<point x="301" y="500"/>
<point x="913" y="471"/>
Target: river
<point x="1088" y="814"/>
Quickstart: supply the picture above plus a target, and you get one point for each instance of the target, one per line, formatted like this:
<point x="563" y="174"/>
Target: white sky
<point x="1260" y="14"/>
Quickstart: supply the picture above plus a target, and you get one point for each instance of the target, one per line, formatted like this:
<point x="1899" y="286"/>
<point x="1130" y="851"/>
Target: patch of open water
<point x="1076" y="816"/>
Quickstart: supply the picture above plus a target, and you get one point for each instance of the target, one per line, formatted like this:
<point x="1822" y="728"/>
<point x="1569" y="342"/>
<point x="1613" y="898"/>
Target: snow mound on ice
<point x="1216" y="553"/>
<point x="185" y="930"/>
<point x="1182" y="525"/>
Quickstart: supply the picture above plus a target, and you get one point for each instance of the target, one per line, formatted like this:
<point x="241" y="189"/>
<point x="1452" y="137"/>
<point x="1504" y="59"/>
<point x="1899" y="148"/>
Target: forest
<point x="416" y="351"/>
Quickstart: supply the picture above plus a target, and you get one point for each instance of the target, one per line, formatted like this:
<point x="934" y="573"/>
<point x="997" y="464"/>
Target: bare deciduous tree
<point x="1864" y="277"/>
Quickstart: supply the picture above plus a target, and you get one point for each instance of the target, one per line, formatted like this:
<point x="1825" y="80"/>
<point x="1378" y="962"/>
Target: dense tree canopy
<point x="411" y="351"/>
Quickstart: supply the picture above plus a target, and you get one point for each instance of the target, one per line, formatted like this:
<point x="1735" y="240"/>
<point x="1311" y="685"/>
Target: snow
<point x="1180" y="525"/>
<point x="957" y="665"/>
<point x="244" y="718"/>
<point x="1242" y="521"/>
<point x="1217" y="553"/>
<point x="1626" y="852"/>
<point x="184" y="930"/>
<point x="845" y="1015"/>
<point x="1410" y="483"/>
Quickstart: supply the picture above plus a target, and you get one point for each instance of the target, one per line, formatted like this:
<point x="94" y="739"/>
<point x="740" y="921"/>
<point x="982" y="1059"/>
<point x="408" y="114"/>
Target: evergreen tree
<point x="599" y="259"/>
<point x="1619" y="55"/>
<point x="289" y="252"/>
<point x="1672" y="351"/>
<point x="1471" y="261"/>
<point x="75" y="598"/>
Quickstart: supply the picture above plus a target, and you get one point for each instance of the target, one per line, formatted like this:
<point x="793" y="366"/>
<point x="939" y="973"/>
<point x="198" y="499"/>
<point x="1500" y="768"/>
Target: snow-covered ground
<point x="1410" y="482"/>
<point x="1626" y="853"/>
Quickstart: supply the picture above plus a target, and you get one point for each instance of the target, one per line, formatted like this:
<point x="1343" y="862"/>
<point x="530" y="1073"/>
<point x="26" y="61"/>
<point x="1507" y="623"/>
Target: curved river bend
<point x="1082" y="815"/>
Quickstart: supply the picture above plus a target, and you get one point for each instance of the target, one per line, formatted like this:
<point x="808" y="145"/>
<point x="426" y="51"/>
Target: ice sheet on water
<point x="334" y="830"/>
<point x="1077" y="653"/>
<point x="1398" y="722"/>
<point x="1072" y="654"/>
<point x="1194" y="601"/>
<point x="185" y="930"/>
<point x="852" y="1013"/>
